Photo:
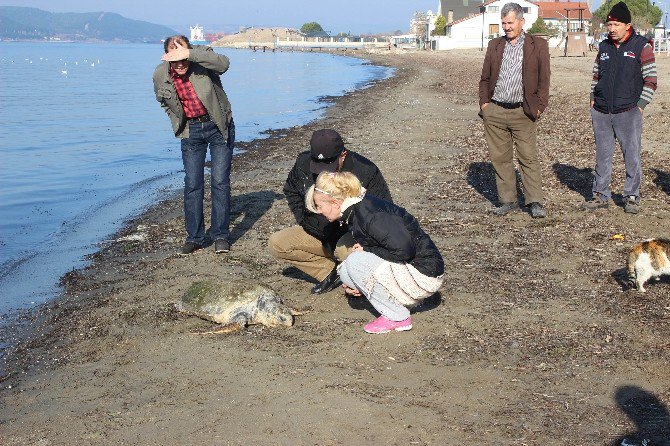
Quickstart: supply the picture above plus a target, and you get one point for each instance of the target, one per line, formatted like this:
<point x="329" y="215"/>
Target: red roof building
<point x="566" y="15"/>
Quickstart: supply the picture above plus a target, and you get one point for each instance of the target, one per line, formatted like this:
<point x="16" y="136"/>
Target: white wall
<point x="468" y="33"/>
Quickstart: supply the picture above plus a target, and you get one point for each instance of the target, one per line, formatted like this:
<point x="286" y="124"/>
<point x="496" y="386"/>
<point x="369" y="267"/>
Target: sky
<point x="354" y="16"/>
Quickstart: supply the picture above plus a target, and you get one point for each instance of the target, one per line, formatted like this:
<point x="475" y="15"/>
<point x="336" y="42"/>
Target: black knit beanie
<point x="619" y="13"/>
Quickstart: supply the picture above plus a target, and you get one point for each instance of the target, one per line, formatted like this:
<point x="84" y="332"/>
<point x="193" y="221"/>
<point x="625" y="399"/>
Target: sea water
<point x="85" y="145"/>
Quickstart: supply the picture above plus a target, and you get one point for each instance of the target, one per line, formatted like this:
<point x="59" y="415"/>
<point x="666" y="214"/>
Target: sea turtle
<point x="234" y="305"/>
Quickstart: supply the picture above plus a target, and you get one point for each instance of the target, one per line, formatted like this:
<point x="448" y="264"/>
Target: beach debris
<point x="141" y="235"/>
<point x="618" y="237"/>
<point x="234" y="305"/>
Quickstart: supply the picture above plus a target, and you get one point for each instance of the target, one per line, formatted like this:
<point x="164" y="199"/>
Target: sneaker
<point x="505" y="208"/>
<point x="597" y="202"/>
<point x="189" y="248"/>
<point x="221" y="245"/>
<point x="383" y="325"/>
<point x="631" y="206"/>
<point x="537" y="210"/>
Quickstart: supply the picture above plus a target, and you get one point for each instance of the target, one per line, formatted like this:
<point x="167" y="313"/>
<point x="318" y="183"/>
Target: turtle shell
<point x="235" y="303"/>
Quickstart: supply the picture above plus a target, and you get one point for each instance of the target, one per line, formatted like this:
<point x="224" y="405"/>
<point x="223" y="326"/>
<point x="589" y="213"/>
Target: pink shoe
<point x="383" y="325"/>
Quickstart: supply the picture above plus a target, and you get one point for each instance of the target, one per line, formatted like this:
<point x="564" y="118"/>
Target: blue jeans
<point x="193" y="152"/>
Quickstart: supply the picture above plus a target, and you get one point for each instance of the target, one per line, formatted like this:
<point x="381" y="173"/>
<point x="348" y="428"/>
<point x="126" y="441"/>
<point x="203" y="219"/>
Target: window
<point x="493" y="8"/>
<point x="526" y="10"/>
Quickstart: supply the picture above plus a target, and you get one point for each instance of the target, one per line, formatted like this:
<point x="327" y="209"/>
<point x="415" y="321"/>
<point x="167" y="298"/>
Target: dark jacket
<point x="204" y="71"/>
<point x="535" y="76"/>
<point x="620" y="75"/>
<point x="301" y="178"/>
<point x="390" y="232"/>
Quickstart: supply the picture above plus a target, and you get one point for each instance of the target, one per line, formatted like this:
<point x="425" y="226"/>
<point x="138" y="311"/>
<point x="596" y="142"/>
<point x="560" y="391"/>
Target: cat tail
<point x="632" y="258"/>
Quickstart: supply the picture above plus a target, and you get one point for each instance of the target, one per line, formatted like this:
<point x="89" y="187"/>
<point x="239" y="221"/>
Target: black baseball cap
<point x="326" y="147"/>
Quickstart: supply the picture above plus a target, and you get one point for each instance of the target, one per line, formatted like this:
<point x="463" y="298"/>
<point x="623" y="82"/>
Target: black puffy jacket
<point x="301" y="178"/>
<point x="392" y="233"/>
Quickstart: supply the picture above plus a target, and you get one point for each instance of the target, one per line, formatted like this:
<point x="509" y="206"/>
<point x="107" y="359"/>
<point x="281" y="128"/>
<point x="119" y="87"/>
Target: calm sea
<point x="84" y="144"/>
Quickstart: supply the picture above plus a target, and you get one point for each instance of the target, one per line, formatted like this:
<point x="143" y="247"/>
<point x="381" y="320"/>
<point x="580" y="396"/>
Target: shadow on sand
<point x="429" y="303"/>
<point x="252" y="205"/>
<point x="662" y="180"/>
<point x="649" y="414"/>
<point x="295" y="273"/>
<point x="575" y="179"/>
<point x="481" y="176"/>
<point x="621" y="277"/>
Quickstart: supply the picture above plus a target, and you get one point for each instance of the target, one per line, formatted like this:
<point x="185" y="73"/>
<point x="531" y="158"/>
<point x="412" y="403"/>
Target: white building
<point x="475" y="30"/>
<point x="421" y="26"/>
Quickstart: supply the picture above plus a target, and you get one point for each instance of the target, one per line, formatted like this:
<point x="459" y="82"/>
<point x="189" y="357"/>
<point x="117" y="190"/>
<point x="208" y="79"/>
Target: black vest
<point x="620" y="71"/>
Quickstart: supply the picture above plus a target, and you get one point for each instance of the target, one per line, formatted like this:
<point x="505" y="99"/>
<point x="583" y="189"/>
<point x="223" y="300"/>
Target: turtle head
<point x="282" y="316"/>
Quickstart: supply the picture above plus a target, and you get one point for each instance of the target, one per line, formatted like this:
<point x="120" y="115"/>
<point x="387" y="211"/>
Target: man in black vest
<point x="316" y="245"/>
<point x="624" y="81"/>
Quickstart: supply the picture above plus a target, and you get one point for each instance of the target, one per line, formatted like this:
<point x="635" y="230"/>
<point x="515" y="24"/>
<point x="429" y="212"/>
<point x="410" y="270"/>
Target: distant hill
<point x="22" y="23"/>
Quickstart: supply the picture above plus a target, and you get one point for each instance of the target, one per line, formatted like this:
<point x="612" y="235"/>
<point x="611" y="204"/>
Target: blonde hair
<point x="337" y="185"/>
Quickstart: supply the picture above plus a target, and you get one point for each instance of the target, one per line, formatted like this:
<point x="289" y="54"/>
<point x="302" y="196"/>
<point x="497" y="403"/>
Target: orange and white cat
<point x="648" y="259"/>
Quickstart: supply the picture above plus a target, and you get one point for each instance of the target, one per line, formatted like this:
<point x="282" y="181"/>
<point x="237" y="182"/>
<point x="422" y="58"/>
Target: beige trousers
<point x="504" y="127"/>
<point x="306" y="252"/>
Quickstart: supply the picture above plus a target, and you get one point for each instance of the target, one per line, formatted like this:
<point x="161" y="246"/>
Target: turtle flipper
<point x="221" y="329"/>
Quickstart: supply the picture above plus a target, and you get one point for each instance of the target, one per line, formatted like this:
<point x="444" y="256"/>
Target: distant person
<point x="394" y="263"/>
<point x="513" y="93"/>
<point x="624" y="82"/>
<point x="188" y="87"/>
<point x="316" y="245"/>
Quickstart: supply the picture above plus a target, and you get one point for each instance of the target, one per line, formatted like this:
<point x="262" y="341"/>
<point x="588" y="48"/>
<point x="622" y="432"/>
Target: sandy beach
<point x="534" y="338"/>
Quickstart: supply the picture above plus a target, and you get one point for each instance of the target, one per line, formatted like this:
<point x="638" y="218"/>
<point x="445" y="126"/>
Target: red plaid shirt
<point x="189" y="100"/>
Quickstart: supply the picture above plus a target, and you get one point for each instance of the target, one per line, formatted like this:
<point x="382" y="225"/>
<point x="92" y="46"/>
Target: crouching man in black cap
<point x="317" y="245"/>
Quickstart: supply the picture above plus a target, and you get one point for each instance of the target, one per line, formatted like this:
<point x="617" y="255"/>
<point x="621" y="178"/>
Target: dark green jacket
<point x="204" y="71"/>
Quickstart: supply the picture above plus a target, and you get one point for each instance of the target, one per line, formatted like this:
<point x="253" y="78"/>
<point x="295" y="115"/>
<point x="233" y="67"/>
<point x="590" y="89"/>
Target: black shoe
<point x="189" y="248"/>
<point x="329" y="283"/>
<point x="505" y="208"/>
<point x="537" y="210"/>
<point x="221" y="245"/>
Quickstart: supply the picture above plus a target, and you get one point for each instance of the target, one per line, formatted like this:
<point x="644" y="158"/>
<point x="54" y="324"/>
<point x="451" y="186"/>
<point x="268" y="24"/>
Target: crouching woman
<point x="394" y="263"/>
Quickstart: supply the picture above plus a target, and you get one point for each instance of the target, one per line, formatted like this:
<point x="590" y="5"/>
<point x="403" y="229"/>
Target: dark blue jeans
<point x="193" y="152"/>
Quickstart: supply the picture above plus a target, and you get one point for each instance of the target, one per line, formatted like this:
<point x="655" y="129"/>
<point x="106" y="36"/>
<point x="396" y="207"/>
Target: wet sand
<point x="534" y="338"/>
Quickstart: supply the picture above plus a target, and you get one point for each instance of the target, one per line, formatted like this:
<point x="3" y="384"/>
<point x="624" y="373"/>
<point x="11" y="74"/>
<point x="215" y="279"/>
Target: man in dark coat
<point x="513" y="93"/>
<point x="316" y="245"/>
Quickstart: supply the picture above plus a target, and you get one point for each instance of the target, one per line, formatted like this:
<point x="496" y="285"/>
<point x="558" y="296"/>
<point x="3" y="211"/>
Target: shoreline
<point x="20" y="307"/>
<point x="20" y="324"/>
<point x="532" y="318"/>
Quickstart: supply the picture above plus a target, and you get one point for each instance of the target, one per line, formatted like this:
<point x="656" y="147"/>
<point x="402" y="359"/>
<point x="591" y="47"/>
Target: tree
<point x="440" y="26"/>
<point x="644" y="14"/>
<point x="311" y="27"/>
<point x="539" y="27"/>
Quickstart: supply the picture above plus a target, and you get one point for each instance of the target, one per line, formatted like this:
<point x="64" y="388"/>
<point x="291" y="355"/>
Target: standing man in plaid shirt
<point x="624" y="81"/>
<point x="188" y="86"/>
